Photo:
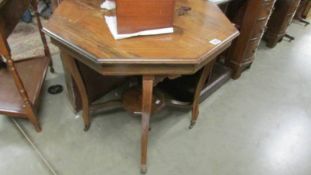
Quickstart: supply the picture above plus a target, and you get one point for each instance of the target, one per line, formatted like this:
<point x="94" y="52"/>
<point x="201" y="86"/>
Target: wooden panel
<point x="251" y="17"/>
<point x="137" y="15"/>
<point x="259" y="29"/>
<point x="303" y="10"/>
<point x="306" y="9"/>
<point x="32" y="73"/>
<point x="251" y="49"/>
<point x="265" y="10"/>
<point x="280" y="20"/>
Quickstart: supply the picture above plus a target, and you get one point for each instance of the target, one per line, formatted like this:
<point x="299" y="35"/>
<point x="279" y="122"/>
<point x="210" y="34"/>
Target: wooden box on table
<point x="138" y="15"/>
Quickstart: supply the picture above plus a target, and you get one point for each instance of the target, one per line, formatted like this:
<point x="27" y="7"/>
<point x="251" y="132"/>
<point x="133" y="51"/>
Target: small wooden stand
<point x="21" y="81"/>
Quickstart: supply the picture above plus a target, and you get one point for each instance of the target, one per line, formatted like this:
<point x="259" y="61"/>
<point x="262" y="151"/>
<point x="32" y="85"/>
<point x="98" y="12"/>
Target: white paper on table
<point x="109" y="5"/>
<point x="112" y="25"/>
<point x="219" y="1"/>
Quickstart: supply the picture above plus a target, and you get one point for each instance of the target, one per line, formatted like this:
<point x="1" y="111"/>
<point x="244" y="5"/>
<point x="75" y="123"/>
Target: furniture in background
<point x="151" y="57"/>
<point x="233" y="61"/>
<point x="21" y="81"/>
<point x="251" y="19"/>
<point x="281" y="18"/>
<point x="306" y="10"/>
<point x="303" y="11"/>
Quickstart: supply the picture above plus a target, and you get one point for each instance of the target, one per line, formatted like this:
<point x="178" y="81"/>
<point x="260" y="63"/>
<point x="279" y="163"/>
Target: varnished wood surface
<point x="21" y="80"/>
<point x="196" y="97"/>
<point x="192" y="36"/>
<point x="148" y="82"/>
<point x="32" y="73"/>
<point x="79" y="30"/>
<point x="302" y="11"/>
<point x="132" y="100"/>
<point x="281" y="18"/>
<point x="251" y="17"/>
<point x="138" y="15"/>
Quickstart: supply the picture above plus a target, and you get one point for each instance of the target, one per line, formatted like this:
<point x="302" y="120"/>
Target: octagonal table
<point x="78" y="28"/>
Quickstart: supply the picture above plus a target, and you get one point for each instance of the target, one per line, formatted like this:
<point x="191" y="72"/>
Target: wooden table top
<point x="80" y="25"/>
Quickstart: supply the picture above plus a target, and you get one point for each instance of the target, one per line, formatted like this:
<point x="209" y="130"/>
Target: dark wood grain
<point x="303" y="11"/>
<point x="251" y="17"/>
<point x="306" y="9"/>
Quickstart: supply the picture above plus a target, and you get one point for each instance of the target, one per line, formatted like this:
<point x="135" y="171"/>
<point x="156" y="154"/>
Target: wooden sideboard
<point x="280" y="19"/>
<point x="306" y="9"/>
<point x="303" y="11"/>
<point x="251" y="18"/>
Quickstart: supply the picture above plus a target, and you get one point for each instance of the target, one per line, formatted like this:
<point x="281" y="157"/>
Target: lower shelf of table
<point x="178" y="94"/>
<point x="182" y="89"/>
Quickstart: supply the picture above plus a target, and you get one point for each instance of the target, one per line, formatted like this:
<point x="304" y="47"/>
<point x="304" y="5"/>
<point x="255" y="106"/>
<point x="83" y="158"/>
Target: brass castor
<point x="143" y="169"/>
<point x="86" y="127"/>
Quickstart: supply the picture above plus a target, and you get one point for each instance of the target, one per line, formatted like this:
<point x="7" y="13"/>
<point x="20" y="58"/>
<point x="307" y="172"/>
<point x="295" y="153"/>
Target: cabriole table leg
<point x="196" y="100"/>
<point x="70" y="64"/>
<point x="146" y="112"/>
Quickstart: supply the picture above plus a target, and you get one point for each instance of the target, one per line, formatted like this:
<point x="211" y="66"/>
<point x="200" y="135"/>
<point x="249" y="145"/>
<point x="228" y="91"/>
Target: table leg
<point x="71" y="66"/>
<point x="146" y="112"/>
<point x="196" y="100"/>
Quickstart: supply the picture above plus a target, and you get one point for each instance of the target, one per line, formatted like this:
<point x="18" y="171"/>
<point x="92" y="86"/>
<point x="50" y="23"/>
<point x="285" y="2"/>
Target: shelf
<point x="182" y="89"/>
<point x="32" y="72"/>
